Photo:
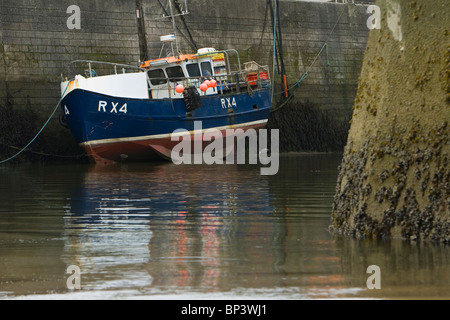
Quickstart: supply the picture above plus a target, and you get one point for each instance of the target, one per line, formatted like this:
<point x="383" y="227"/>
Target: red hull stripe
<point x="170" y="135"/>
<point x="149" y="148"/>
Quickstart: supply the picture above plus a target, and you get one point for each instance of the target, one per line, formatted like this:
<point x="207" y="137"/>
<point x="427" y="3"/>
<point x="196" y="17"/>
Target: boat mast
<point x="143" y="48"/>
<point x="174" y="28"/>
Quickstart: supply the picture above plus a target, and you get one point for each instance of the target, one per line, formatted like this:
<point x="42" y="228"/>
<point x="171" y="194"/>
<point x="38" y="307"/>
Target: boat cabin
<point x="165" y="74"/>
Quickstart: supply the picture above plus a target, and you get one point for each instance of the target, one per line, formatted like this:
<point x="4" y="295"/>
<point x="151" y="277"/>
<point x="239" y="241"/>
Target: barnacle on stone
<point x="417" y="173"/>
<point x="379" y="195"/>
<point x="424" y="185"/>
<point x="384" y="175"/>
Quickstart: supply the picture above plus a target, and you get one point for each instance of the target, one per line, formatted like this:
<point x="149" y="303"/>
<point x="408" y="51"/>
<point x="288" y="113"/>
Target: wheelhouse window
<point x="194" y="70"/>
<point x="175" y="74"/>
<point x="157" y="77"/>
<point x="207" y="69"/>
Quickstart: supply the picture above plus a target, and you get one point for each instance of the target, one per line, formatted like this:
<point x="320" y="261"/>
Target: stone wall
<point x="36" y="45"/>
<point x="394" y="179"/>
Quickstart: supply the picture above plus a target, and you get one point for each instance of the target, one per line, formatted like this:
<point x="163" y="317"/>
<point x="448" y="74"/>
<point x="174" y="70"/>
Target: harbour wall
<point x="39" y="38"/>
<point x="394" y="178"/>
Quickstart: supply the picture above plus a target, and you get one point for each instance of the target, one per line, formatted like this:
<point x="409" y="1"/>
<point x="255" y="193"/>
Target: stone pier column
<point x="394" y="178"/>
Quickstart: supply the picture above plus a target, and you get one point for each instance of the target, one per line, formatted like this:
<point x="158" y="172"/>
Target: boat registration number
<point x="228" y="103"/>
<point x="103" y="106"/>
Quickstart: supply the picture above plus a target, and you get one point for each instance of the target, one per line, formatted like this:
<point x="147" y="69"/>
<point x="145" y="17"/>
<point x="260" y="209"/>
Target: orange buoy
<point x="204" y="87"/>
<point x="179" y="88"/>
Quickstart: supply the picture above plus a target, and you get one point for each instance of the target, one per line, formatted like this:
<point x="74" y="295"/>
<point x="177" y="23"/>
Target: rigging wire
<point x="274" y="15"/>
<point x="183" y="19"/>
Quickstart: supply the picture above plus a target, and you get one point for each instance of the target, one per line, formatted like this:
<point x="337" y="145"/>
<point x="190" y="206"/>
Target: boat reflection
<point x="165" y="225"/>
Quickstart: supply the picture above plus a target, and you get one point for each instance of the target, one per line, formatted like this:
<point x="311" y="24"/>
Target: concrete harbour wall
<point x="394" y="179"/>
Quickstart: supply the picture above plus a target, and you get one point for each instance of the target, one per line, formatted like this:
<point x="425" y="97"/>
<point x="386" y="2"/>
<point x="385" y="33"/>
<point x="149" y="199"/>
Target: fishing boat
<point x="120" y="113"/>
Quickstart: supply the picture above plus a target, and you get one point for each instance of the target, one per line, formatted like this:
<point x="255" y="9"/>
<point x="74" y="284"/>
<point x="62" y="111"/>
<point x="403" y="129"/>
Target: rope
<point x="274" y="47"/>
<point x="264" y="26"/>
<point x="305" y="75"/>
<point x="46" y="154"/>
<point x="283" y="104"/>
<point x="40" y="131"/>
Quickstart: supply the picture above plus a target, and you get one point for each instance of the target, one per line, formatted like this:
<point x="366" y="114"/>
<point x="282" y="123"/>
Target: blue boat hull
<point x="115" y="129"/>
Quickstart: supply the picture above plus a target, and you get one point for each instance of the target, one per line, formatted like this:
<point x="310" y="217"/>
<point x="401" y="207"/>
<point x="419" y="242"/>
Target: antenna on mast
<point x="183" y="8"/>
<point x="169" y="13"/>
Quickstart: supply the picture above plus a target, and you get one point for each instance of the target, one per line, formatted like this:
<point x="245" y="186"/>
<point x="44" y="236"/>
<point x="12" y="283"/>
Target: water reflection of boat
<point x="165" y="223"/>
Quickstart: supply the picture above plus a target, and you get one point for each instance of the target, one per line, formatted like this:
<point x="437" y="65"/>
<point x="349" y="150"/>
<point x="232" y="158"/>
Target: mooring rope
<point x="46" y="154"/>
<point x="40" y="131"/>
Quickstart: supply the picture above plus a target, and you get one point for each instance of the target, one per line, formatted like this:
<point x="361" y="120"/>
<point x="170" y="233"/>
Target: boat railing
<point x="235" y="82"/>
<point x="226" y="54"/>
<point x="252" y="77"/>
<point x="92" y="68"/>
<point x="249" y="80"/>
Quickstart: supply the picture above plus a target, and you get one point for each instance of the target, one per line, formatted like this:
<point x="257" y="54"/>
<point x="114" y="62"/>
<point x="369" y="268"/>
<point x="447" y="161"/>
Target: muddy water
<point x="162" y="231"/>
